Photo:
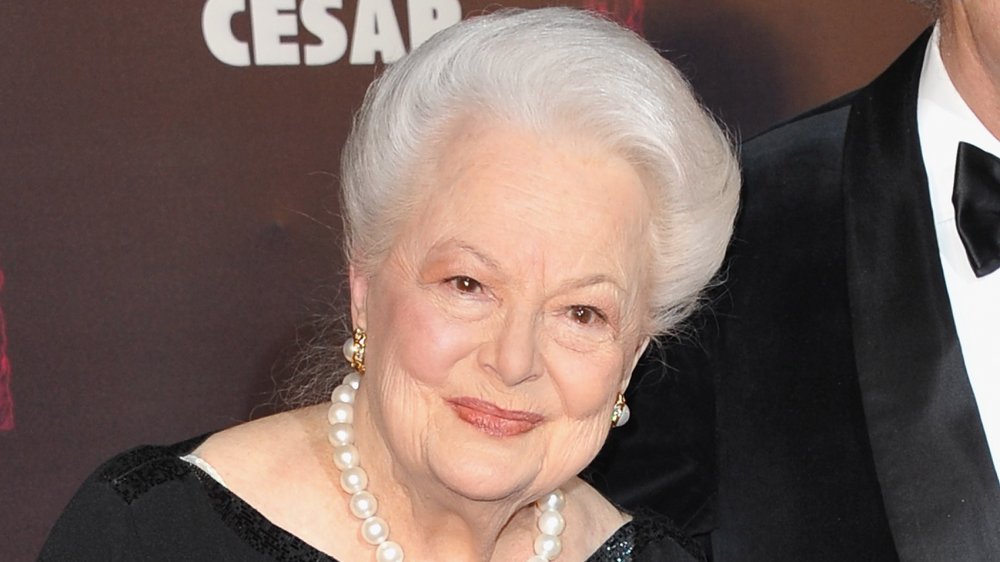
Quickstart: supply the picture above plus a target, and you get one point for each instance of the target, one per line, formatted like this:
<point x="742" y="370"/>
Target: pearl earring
<point x="620" y="413"/>
<point x="354" y="350"/>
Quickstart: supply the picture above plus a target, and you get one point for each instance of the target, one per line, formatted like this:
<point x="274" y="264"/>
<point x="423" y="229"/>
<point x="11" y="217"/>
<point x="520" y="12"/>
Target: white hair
<point x="552" y="69"/>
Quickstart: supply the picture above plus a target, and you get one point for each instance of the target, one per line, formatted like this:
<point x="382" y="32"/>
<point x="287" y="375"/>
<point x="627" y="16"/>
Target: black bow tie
<point x="977" y="207"/>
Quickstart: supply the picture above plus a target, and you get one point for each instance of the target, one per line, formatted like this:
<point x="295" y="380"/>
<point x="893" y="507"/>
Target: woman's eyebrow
<point x="591" y="280"/>
<point x="468" y="248"/>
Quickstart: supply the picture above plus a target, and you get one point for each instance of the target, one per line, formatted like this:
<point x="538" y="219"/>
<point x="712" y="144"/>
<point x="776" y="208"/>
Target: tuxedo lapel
<point x="938" y="484"/>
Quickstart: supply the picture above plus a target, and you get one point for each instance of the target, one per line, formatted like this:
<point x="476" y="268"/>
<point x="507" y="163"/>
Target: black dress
<point x="147" y="504"/>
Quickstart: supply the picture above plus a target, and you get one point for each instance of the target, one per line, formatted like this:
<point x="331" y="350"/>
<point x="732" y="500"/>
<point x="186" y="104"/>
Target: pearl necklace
<point x="364" y="506"/>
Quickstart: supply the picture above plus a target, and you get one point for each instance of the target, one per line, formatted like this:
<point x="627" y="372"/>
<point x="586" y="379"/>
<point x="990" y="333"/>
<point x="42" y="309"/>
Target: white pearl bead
<point x="548" y="546"/>
<point x="363" y="504"/>
<point x="340" y="413"/>
<point x="353" y="480"/>
<point x="352" y="380"/>
<point x="341" y="434"/>
<point x="343" y="393"/>
<point x="551" y="523"/>
<point x="346" y="456"/>
<point x="553" y="501"/>
<point x="374" y="530"/>
<point x="389" y="551"/>
<point x="349" y="348"/>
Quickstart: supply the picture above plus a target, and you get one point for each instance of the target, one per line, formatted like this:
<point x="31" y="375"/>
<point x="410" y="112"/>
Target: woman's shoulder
<point x="281" y="466"/>
<point x="259" y="451"/>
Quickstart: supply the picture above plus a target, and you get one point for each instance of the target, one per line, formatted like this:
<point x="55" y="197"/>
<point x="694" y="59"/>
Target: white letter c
<point x="217" y="27"/>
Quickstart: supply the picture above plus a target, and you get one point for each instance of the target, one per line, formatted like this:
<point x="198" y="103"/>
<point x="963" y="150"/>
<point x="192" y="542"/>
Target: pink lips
<point x="492" y="419"/>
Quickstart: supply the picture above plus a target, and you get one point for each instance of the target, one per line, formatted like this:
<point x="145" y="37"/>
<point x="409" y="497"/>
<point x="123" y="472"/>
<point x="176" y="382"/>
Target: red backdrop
<point x="167" y="193"/>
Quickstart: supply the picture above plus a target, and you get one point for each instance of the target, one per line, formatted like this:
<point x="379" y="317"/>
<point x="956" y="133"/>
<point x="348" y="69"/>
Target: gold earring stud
<point x="354" y="350"/>
<point x="620" y="413"/>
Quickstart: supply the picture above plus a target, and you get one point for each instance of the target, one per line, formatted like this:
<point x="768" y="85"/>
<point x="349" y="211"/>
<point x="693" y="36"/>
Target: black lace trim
<point x="645" y="529"/>
<point x="135" y="472"/>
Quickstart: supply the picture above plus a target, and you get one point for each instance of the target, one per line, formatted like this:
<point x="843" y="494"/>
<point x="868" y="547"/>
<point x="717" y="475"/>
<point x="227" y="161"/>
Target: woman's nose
<point x="514" y="355"/>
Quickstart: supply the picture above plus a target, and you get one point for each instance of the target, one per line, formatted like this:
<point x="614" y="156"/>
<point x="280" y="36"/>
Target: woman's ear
<point x="359" y="298"/>
<point x="640" y="349"/>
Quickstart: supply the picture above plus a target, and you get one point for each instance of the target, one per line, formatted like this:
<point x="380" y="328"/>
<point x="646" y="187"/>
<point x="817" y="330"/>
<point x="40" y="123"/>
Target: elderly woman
<point x="528" y="198"/>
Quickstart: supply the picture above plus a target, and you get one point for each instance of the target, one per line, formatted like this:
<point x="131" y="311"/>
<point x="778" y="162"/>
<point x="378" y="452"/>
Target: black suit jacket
<point x="846" y="428"/>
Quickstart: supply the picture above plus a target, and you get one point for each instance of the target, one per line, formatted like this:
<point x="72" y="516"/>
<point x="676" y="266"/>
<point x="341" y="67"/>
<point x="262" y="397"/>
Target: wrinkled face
<point x="508" y="314"/>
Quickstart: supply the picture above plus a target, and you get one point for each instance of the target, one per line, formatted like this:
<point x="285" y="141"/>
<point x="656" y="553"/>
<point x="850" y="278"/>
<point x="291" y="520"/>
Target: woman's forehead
<point x="520" y="195"/>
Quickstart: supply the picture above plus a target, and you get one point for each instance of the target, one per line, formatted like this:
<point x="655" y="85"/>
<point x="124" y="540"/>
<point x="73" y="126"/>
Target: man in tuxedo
<point x="855" y="346"/>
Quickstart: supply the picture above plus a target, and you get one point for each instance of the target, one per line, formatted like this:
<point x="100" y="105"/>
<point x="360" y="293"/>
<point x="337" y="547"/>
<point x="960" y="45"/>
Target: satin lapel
<point x="938" y="483"/>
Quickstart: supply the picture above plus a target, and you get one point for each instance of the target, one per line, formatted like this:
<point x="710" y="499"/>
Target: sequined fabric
<point x="647" y="538"/>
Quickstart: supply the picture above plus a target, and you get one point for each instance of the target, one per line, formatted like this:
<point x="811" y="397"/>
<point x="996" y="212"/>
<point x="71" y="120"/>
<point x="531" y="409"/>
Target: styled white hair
<point x="551" y="69"/>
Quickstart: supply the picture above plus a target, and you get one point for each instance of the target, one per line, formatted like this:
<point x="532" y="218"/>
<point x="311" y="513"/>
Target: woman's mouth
<point x="492" y="419"/>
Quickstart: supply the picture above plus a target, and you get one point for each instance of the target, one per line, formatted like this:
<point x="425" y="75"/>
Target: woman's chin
<point x="485" y="473"/>
<point x="483" y="483"/>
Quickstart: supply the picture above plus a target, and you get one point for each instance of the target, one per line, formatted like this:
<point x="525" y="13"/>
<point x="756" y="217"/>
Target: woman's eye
<point x="586" y="315"/>
<point x="466" y="284"/>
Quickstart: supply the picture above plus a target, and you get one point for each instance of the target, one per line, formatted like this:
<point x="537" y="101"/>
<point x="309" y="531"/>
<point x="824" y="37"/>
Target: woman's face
<point x="508" y="315"/>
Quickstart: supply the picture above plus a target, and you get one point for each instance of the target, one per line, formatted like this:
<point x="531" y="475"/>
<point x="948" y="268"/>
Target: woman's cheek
<point x="587" y="383"/>
<point x="431" y="341"/>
